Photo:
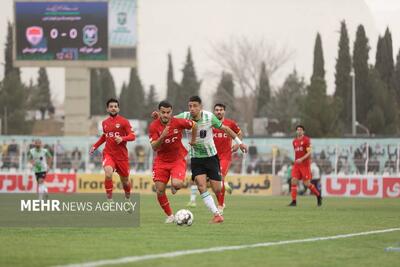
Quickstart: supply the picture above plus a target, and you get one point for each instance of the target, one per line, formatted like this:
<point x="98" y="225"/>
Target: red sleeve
<point x="153" y="134"/>
<point x="99" y="142"/>
<point x="307" y="143"/>
<point x="235" y="127"/>
<point x="130" y="135"/>
<point x="185" y="124"/>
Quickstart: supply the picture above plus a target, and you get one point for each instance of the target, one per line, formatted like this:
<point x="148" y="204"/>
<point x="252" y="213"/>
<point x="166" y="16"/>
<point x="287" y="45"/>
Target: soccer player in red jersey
<point x="117" y="131"/>
<point x="302" y="166"/>
<point x="165" y="135"/>
<point x="223" y="143"/>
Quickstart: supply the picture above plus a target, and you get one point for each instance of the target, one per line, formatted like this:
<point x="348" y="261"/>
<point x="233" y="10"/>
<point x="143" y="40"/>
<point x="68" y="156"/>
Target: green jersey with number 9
<point x="204" y="146"/>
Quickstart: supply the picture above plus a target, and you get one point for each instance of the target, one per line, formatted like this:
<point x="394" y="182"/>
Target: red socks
<point x="293" y="190"/>
<point x="163" y="200"/>
<point x="313" y="190"/>
<point x="108" y="184"/>
<point x="221" y="195"/>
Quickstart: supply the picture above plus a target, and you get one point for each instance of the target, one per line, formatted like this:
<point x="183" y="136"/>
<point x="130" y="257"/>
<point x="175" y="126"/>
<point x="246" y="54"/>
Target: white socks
<point x="193" y="193"/>
<point x="42" y="190"/>
<point x="209" y="201"/>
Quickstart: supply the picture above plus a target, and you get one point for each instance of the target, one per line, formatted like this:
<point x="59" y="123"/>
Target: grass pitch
<point x="248" y="220"/>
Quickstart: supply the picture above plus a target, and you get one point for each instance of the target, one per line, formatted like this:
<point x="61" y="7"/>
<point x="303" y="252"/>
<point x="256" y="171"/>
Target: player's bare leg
<point x="42" y="189"/>
<point x="176" y="184"/>
<point x="293" y="191"/>
<point x="315" y="191"/>
<point x="108" y="183"/>
<point x="201" y="181"/>
<point x="163" y="201"/>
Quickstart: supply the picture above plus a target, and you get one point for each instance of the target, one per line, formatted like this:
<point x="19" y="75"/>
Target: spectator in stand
<point x="316" y="176"/>
<point x="140" y="158"/>
<point x="390" y="166"/>
<point x="76" y="159"/>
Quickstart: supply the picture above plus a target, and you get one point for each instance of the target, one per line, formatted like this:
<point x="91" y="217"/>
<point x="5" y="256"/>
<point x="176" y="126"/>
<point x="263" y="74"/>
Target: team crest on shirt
<point x="117" y="125"/>
<point x="176" y="131"/>
<point x="301" y="143"/>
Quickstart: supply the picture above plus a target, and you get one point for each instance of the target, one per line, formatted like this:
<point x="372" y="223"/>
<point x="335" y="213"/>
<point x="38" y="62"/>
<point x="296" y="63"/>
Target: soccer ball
<point x="184" y="217"/>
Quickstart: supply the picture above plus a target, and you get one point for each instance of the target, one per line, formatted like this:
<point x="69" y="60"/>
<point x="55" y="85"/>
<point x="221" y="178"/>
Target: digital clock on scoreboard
<point x="61" y="30"/>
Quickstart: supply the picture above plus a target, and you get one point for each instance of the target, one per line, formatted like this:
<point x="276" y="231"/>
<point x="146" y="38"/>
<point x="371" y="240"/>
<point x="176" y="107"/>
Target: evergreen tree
<point x="225" y="92"/>
<point x="151" y="103"/>
<point x="396" y="77"/>
<point x="13" y="104"/>
<point x="384" y="58"/>
<point x="318" y="66"/>
<point x="8" y="56"/>
<point x="13" y="94"/>
<point x="43" y="97"/>
<point x="97" y="106"/>
<point x="135" y="96"/>
<point x="382" y="118"/>
<point x="190" y="86"/>
<point x="319" y="112"/>
<point x="263" y="92"/>
<point x="343" y="80"/>
<point x="107" y="85"/>
<point x="361" y="70"/>
<point x="123" y="100"/>
<point x="285" y="103"/>
<point x="172" y="85"/>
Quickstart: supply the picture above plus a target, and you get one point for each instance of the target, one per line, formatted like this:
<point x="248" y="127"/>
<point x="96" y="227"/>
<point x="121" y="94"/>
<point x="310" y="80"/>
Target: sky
<point x="171" y="26"/>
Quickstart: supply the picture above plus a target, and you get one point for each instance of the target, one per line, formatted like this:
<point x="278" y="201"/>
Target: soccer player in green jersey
<point x="204" y="160"/>
<point x="40" y="158"/>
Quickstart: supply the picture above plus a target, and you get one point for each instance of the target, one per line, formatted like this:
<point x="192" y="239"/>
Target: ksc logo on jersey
<point x="34" y="35"/>
<point x="117" y="125"/>
<point x="90" y="35"/>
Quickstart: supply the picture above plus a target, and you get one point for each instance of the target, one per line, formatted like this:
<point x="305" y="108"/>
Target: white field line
<point x="178" y="253"/>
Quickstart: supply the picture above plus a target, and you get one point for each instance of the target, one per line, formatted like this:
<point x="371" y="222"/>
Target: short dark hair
<point x="220" y="105"/>
<point x="195" y="98"/>
<point x="164" y="104"/>
<point x="112" y="100"/>
<point x="300" y="126"/>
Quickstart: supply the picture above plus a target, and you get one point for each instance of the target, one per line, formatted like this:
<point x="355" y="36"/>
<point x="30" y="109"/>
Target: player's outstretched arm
<point x="235" y="147"/>
<point x="99" y="142"/>
<point x="235" y="137"/>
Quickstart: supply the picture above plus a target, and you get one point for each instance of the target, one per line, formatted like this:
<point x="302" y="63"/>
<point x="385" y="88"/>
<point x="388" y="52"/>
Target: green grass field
<point x="248" y="220"/>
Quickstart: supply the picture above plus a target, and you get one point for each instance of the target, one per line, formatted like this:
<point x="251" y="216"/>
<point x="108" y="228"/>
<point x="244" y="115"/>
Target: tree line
<point x="244" y="86"/>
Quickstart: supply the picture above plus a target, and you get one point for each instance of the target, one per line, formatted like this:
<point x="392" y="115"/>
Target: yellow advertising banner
<point x="265" y="185"/>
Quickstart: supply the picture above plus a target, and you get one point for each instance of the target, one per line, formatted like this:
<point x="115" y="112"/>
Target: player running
<point x="117" y="131"/>
<point x="301" y="169"/>
<point x="165" y="135"/>
<point x="204" y="160"/>
<point x="40" y="158"/>
<point x="223" y="143"/>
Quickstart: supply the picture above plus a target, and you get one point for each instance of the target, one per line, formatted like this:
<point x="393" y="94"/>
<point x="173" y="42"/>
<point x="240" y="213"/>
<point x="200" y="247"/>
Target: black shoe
<point x="319" y="201"/>
<point x="293" y="203"/>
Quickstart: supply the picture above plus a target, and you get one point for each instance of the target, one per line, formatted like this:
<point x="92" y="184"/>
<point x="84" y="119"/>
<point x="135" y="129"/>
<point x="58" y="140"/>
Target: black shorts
<point x="209" y="166"/>
<point x="40" y="175"/>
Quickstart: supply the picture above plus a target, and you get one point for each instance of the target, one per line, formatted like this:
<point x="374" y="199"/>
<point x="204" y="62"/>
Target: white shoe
<point x="221" y="209"/>
<point x="170" y="219"/>
<point x="228" y="188"/>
